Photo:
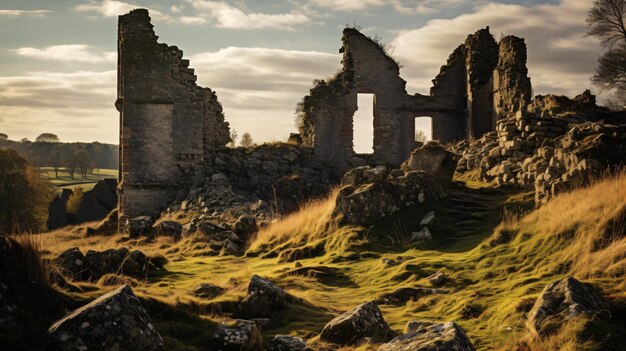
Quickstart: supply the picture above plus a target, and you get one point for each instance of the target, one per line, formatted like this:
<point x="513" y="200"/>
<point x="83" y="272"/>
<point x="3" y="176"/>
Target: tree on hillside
<point x="47" y="138"/>
<point x="23" y="194"/>
<point x="83" y="161"/>
<point x="70" y="164"/>
<point x="24" y="141"/>
<point x="246" y="140"/>
<point x="55" y="161"/>
<point x="606" y="22"/>
<point x="3" y="137"/>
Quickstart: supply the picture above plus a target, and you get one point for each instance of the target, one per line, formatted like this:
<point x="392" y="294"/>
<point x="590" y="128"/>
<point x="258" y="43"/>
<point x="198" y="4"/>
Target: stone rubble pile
<point x="548" y="146"/>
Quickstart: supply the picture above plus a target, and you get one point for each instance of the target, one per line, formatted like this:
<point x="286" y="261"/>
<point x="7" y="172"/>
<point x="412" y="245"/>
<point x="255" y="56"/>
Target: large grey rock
<point x="246" y="226"/>
<point x="168" y="228"/>
<point x="114" y="321"/>
<point x="287" y="343"/>
<point x="264" y="298"/>
<point x="425" y="336"/>
<point x="349" y="328"/>
<point x="57" y="213"/>
<point x="137" y="226"/>
<point x="72" y="263"/>
<point x="562" y="300"/>
<point x="433" y="159"/>
<point x="241" y="335"/>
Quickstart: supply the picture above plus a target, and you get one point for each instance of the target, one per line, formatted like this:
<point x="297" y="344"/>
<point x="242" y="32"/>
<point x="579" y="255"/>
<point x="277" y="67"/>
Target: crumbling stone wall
<point x="461" y="101"/>
<point x="167" y="122"/>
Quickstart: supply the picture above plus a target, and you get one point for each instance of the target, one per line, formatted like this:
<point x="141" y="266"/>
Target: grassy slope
<point x="65" y="181"/>
<point x="491" y="287"/>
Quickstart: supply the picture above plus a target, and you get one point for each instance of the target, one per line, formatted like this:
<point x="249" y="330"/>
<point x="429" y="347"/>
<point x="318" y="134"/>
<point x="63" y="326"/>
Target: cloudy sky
<point x="57" y="58"/>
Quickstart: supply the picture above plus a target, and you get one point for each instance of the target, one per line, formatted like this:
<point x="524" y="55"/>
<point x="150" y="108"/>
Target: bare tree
<point x="605" y="21"/>
<point x="246" y="140"/>
<point x="83" y="161"/>
<point x="54" y="161"/>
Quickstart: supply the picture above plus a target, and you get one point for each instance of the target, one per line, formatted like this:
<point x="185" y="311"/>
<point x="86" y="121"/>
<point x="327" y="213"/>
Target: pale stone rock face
<point x="114" y="321"/>
<point x="349" y="328"/>
<point x="426" y="336"/>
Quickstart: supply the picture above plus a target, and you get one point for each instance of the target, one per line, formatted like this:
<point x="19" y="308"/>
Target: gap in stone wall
<point x="425" y="125"/>
<point x="363" y="119"/>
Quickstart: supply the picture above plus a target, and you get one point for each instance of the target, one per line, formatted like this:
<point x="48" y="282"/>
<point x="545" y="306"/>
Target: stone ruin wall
<point x="462" y="101"/>
<point x="167" y="122"/>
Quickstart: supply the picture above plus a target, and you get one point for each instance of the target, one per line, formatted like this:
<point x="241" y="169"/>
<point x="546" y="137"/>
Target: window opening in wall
<point x="423" y="128"/>
<point x="364" y="124"/>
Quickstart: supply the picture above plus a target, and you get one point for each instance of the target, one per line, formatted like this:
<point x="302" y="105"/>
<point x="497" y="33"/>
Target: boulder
<point x="264" y="298"/>
<point x="168" y="228"/>
<point x="90" y="210"/>
<point x="57" y="213"/>
<point x="433" y="159"/>
<point x="121" y="261"/>
<point x="138" y="226"/>
<point x="349" y="328"/>
<point x="291" y="191"/>
<point x="207" y="291"/>
<point x="437" y="279"/>
<point x="72" y="263"/>
<point x="287" y="343"/>
<point x="114" y="321"/>
<point x="562" y="300"/>
<point x="241" y="335"/>
<point x="421" y="235"/>
<point x="245" y="226"/>
<point x="428" y="218"/>
<point x="425" y="336"/>
<point x="403" y="295"/>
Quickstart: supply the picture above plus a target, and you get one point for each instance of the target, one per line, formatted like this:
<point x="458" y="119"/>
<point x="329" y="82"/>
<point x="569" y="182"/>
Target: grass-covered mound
<point x="497" y="252"/>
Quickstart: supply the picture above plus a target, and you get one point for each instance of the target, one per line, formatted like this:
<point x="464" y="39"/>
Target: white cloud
<point x="23" y="13"/>
<point x="77" y="106"/>
<point x="67" y="53"/>
<point x="192" y="20"/>
<point x="259" y="87"/>
<point x="112" y="8"/>
<point x="560" y="58"/>
<point x="223" y="15"/>
<point x="407" y="7"/>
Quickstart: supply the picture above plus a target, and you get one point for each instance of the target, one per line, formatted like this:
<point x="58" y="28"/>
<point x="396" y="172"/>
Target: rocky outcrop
<point x="172" y="229"/>
<point x="240" y="335"/>
<point x="114" y="321"/>
<point x="264" y="299"/>
<point x="550" y="146"/>
<point x="365" y="321"/>
<point x="561" y="301"/>
<point x="138" y="226"/>
<point x="365" y="203"/>
<point x="426" y="336"/>
<point x="434" y="160"/>
<point x="207" y="291"/>
<point x="95" y="264"/>
<point x="57" y="213"/>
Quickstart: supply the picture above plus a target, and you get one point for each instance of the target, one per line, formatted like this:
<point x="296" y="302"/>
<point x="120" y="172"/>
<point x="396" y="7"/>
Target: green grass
<point x="64" y="181"/>
<point x="498" y="252"/>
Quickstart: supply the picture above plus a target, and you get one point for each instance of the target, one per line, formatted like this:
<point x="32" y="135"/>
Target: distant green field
<point x="64" y="181"/>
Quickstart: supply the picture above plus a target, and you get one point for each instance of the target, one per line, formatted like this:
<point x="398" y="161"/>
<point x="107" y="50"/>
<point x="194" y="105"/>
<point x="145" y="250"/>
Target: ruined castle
<point x="169" y="126"/>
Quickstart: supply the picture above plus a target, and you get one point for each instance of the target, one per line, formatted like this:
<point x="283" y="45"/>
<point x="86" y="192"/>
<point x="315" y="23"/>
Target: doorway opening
<point x="363" y="124"/>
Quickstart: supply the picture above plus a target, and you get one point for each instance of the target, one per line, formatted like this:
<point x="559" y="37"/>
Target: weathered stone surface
<point x="433" y="159"/>
<point x="426" y="336"/>
<point x="246" y="226"/>
<point x="207" y="291"/>
<point x="57" y="213"/>
<point x="168" y="122"/>
<point x="287" y="343"/>
<point x="95" y="264"/>
<point x="241" y="335"/>
<point x="114" y="321"/>
<point x="421" y="235"/>
<point x="137" y="226"/>
<point x="562" y="300"/>
<point x="349" y="328"/>
<point x="168" y="228"/>
<point x="366" y="203"/>
<point x="403" y="295"/>
<point x="437" y="279"/>
<point x="264" y="298"/>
